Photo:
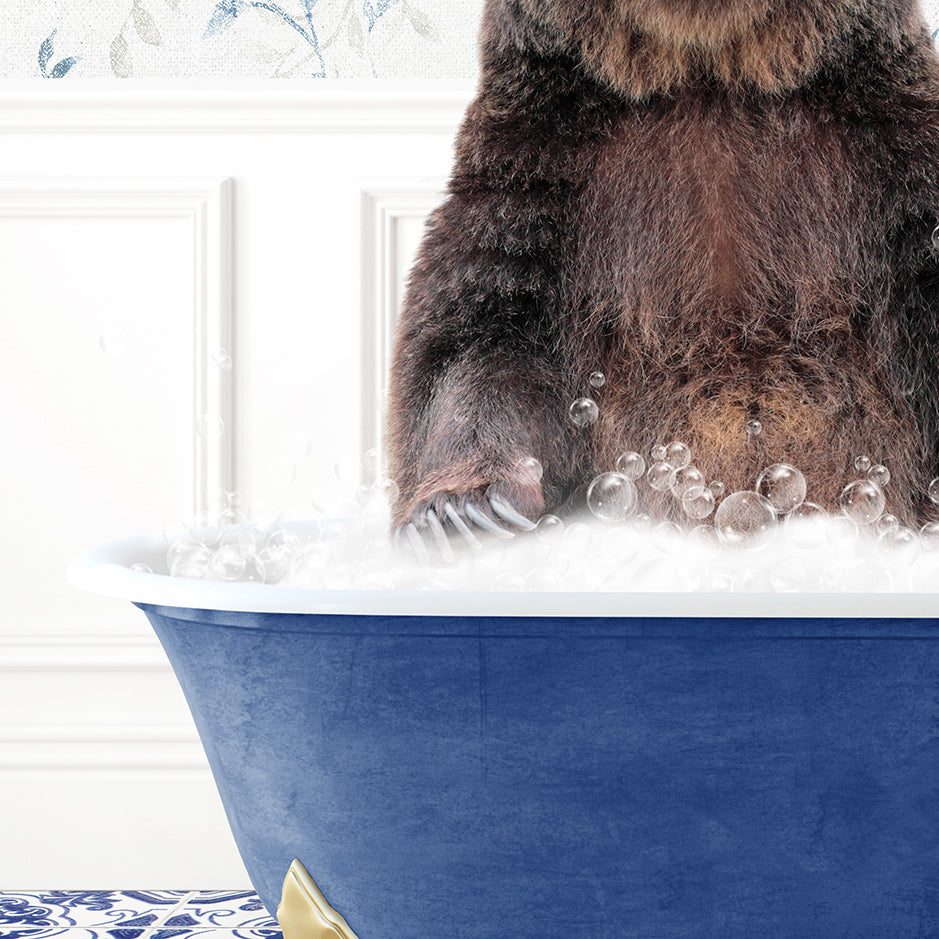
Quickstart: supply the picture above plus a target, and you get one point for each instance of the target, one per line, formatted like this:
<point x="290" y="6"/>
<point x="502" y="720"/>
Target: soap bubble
<point x="584" y="412"/>
<point x="666" y="536"/>
<point x="900" y="538"/>
<point x="933" y="491"/>
<point x="209" y="427"/>
<point x="783" y="486"/>
<point x="229" y="563"/>
<point x="717" y="488"/>
<point x="141" y="568"/>
<point x="754" y="428"/>
<point x="935" y="238"/>
<point x="191" y="560"/>
<point x="659" y="452"/>
<point x="687" y="483"/>
<point x="231" y="516"/>
<point x="863" y="501"/>
<point x="745" y="520"/>
<point x="222" y="358"/>
<point x="273" y="564"/>
<point x="549" y="528"/>
<point x="929" y="536"/>
<point x="842" y="531"/>
<point x="611" y="497"/>
<point x="788" y="576"/>
<point x="678" y="454"/>
<point x="114" y="342"/>
<point x="543" y="580"/>
<point x="887" y="523"/>
<point x="577" y="538"/>
<point x="879" y="474"/>
<point x="862" y="464"/>
<point x="661" y="476"/>
<point x="804" y="525"/>
<point x="530" y="469"/>
<point x="699" y="506"/>
<point x="508" y="583"/>
<point x="632" y="465"/>
<point x="597" y="380"/>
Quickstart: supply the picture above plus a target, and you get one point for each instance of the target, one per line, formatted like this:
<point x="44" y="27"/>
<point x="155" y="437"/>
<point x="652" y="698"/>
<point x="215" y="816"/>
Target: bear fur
<point x="725" y="206"/>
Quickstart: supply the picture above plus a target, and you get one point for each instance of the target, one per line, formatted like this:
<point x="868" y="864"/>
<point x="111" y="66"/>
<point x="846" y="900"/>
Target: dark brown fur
<point x="724" y="206"/>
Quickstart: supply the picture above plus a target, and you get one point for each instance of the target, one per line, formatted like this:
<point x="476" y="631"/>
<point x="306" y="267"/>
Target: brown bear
<point x="724" y="206"/>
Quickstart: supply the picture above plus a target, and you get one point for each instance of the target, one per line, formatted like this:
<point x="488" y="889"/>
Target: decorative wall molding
<point x="336" y="106"/>
<point x="207" y="205"/>
<point x="55" y="654"/>
<point x="102" y="747"/>
<point x="384" y="202"/>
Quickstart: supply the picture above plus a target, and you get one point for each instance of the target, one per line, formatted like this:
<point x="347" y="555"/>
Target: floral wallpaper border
<point x="237" y="39"/>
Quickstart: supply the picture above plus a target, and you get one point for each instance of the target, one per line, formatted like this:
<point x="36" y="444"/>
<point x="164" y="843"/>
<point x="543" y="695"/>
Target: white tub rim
<point x="105" y="570"/>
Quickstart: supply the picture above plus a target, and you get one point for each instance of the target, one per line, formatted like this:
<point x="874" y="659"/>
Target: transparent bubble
<point x="788" y="576"/>
<point x="661" y="476"/>
<point x="549" y="528"/>
<point x="577" y="538"/>
<point x="584" y="412"/>
<point x="688" y="482"/>
<point x="705" y="537"/>
<point x="597" y="380"/>
<point x="141" y="568"/>
<point x="209" y="427"/>
<point x="754" y="428"/>
<point x="699" y="506"/>
<point x="231" y="516"/>
<point x="508" y="582"/>
<point x="659" y="452"/>
<point x="863" y="463"/>
<point x="529" y="469"/>
<point x="935" y="238"/>
<point x="273" y="564"/>
<point x="666" y="537"/>
<point x="371" y="464"/>
<point x="308" y="567"/>
<point x="866" y="575"/>
<point x="375" y="580"/>
<point x="611" y="497"/>
<point x="863" y="501"/>
<point x="378" y="552"/>
<point x="752" y="580"/>
<point x="879" y="474"/>
<point x="900" y="538"/>
<point x="887" y="523"/>
<point x="842" y="531"/>
<point x="929" y="536"/>
<point x="717" y="488"/>
<point x="933" y="491"/>
<point x="631" y="464"/>
<point x="745" y="520"/>
<point x="783" y="486"/>
<point x="114" y="342"/>
<point x="387" y="489"/>
<point x="805" y="525"/>
<point x="229" y="563"/>
<point x="191" y="562"/>
<point x="222" y="359"/>
<point x="678" y="454"/>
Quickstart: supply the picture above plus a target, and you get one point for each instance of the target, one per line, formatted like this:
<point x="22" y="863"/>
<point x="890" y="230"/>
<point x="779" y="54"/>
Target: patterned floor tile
<point x="241" y="910"/>
<point x="127" y="909"/>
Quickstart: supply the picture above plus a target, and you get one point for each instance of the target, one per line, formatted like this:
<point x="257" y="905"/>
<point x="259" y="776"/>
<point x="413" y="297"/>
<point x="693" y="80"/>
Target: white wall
<point x="162" y="223"/>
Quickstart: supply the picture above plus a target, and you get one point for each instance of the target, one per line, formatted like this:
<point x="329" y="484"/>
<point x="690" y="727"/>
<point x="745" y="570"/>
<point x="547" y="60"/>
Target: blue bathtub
<point x="648" y="766"/>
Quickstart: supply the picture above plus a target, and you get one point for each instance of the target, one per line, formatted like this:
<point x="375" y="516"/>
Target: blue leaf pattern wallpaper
<point x="238" y="39"/>
<point x="247" y="38"/>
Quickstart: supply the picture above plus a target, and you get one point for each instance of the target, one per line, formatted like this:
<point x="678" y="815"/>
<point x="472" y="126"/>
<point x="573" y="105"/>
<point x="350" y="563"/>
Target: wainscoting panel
<point x="197" y="285"/>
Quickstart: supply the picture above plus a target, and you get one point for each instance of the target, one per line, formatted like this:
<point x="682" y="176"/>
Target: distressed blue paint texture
<point x="549" y="778"/>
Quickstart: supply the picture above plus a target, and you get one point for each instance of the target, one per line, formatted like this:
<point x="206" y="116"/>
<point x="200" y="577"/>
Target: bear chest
<point x="716" y="213"/>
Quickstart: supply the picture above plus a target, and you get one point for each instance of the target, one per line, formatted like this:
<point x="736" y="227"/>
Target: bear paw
<point x="498" y="511"/>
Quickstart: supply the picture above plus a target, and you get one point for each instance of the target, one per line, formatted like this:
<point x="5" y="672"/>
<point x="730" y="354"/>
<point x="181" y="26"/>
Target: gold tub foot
<point x="304" y="913"/>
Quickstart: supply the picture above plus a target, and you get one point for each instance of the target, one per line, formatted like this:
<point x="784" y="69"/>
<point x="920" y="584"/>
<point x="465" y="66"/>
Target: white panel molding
<point x="102" y="747"/>
<point x="82" y="653"/>
<point x="384" y="202"/>
<point x="335" y="106"/>
<point x="207" y="205"/>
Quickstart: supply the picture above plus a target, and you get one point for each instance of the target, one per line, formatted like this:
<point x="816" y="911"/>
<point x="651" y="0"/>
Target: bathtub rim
<point x="105" y="570"/>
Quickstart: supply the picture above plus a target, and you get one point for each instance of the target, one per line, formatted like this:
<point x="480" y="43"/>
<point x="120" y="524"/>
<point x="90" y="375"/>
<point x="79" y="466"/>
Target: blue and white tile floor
<point x="135" y="914"/>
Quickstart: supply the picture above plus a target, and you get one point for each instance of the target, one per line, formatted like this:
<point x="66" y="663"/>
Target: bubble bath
<point x="770" y="539"/>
